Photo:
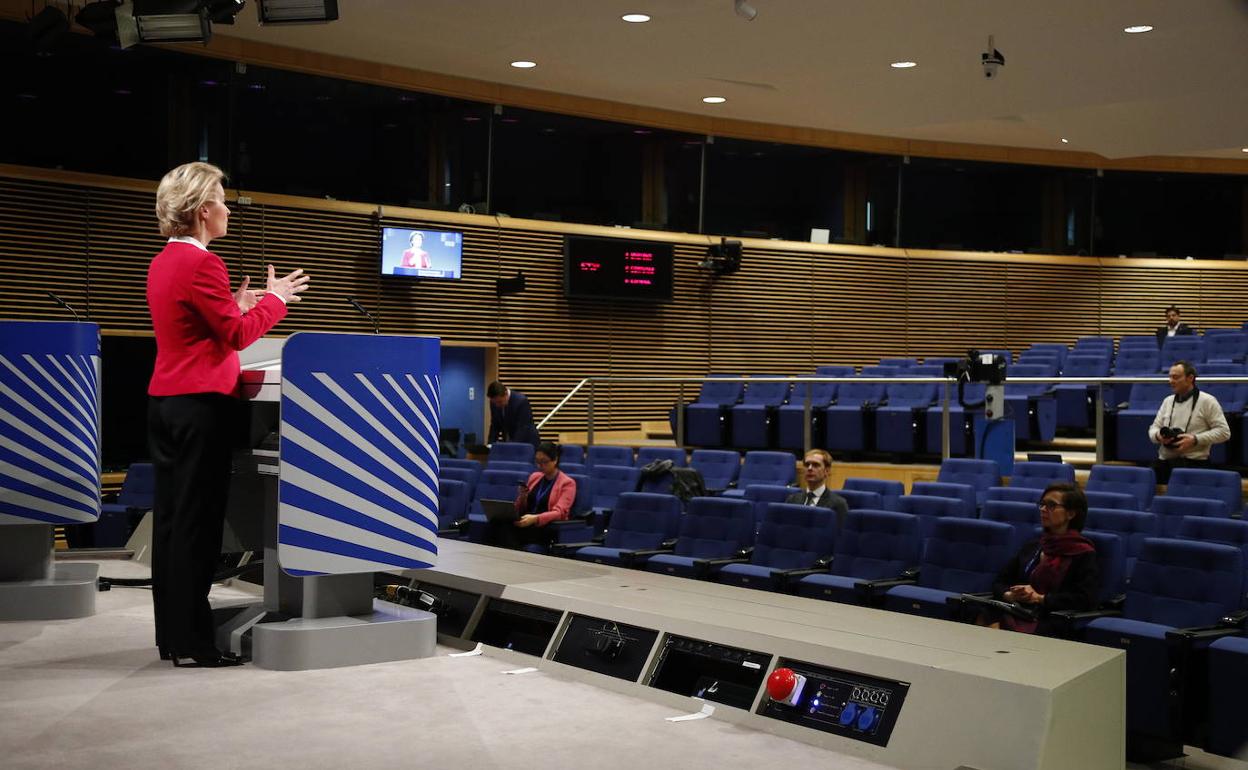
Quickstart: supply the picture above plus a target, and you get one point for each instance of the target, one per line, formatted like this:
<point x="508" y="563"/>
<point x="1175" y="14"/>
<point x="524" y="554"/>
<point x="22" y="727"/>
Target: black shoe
<point x="210" y="659"/>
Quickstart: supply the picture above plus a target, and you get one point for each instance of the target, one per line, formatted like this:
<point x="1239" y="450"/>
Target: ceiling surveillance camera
<point x="992" y="60"/>
<point x="744" y="10"/>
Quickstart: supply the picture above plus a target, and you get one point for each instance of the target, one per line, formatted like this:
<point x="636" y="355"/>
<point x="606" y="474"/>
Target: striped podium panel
<point x="49" y="422"/>
<point x="358" y="472"/>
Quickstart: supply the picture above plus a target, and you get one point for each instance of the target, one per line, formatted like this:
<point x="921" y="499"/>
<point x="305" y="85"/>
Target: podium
<point x="49" y="464"/>
<point x="351" y="490"/>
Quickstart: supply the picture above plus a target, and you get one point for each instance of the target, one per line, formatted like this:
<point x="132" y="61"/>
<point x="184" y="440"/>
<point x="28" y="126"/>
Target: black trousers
<point x="1163" y="468"/>
<point x="507" y="535"/>
<point x="190" y="442"/>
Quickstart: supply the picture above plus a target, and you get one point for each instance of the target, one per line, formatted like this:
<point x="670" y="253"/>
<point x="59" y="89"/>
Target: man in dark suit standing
<point x="511" y="417"/>
<point x="817" y="464"/>
<point x="1174" y="326"/>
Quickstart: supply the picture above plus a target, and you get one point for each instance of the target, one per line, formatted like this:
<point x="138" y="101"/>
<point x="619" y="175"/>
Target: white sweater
<point x="1207" y="424"/>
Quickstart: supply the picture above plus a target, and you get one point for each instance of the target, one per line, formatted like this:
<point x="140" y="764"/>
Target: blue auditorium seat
<point x="900" y="423"/>
<point x="493" y="485"/>
<point x="1172" y="509"/>
<point x="964" y="493"/>
<point x="706" y="418"/>
<point x="872" y="545"/>
<point x="790" y="431"/>
<point x="1103" y="346"/>
<point x="611" y="481"/>
<point x="1186" y="347"/>
<point x="1175" y="584"/>
<point x="1076" y="402"/>
<point x="1015" y="494"/>
<point x="1138" y="482"/>
<point x="939" y="361"/>
<point x="609" y="455"/>
<point x="512" y="465"/>
<point x="1133" y="527"/>
<point x="1232" y="532"/>
<point x="1138" y="362"/>
<point x="579" y="469"/>
<point x="979" y="474"/>
<point x="1141" y="341"/>
<point x="960" y="421"/>
<point x="511" y="451"/>
<point x="649" y="454"/>
<point x="1031" y="404"/>
<point x="845" y="425"/>
<point x="1226" y="347"/>
<point x="468" y="476"/>
<point x="753" y="420"/>
<point x="889" y="491"/>
<point x="712" y="529"/>
<point x="455" y="462"/>
<point x="639" y="522"/>
<point x="1050" y="359"/>
<point x="579" y="526"/>
<point x="930" y="510"/>
<point x="1123" y="501"/>
<point x="117" y="519"/>
<point x="858" y="498"/>
<point x="571" y="453"/>
<point x="1208" y="483"/>
<point x="1023" y="517"/>
<point x="961" y="556"/>
<point x="1228" y="670"/>
<point x="719" y="467"/>
<point x="790" y="537"/>
<point x="899" y="363"/>
<point x="1111" y="560"/>
<point x="453" y="501"/>
<point x="1034" y="475"/>
<point x="1063" y="352"/>
<point x="764" y="468"/>
<point x="763" y="495"/>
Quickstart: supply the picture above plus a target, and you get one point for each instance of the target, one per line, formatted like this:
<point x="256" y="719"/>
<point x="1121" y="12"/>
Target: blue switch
<point x="867" y="718"/>
<point x="848" y="714"/>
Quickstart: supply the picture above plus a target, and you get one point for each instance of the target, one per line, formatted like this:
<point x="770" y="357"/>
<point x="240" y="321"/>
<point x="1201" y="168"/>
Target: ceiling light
<point x="714" y="99"/>
<point x="297" y="11"/>
<point x="168" y="21"/>
<point x="903" y="65"/>
<point x="1137" y="29"/>
<point x="635" y="18"/>
<point x="1244" y="149"/>
<point x="744" y="10"/>
<point x="1065" y="140"/>
<point x="524" y="65"/>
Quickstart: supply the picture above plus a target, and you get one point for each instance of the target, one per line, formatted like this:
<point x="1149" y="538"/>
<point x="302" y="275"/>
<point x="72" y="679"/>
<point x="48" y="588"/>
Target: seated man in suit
<point x="817" y="464"/>
<point x="511" y="417"/>
<point x="1174" y="326"/>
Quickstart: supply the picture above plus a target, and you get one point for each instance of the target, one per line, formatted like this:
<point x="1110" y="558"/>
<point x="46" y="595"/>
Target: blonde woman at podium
<point x="200" y="325"/>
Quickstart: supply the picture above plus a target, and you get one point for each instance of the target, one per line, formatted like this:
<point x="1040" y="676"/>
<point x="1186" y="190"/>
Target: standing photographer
<point x="1187" y="426"/>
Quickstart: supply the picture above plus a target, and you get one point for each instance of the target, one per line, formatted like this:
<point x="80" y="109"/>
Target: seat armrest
<point x="782" y="579"/>
<point x="566" y="549"/>
<point x="450" y="532"/>
<point x="870" y="590"/>
<point x="575" y="521"/>
<point x="462" y="525"/>
<point x="631" y="558"/>
<point x="703" y="567"/>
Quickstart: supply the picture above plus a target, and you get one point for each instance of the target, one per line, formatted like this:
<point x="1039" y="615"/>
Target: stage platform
<point x="953" y="695"/>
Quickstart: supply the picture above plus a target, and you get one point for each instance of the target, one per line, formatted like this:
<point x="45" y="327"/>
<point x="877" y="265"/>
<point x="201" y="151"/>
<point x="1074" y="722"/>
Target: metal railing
<point x="949" y="392"/>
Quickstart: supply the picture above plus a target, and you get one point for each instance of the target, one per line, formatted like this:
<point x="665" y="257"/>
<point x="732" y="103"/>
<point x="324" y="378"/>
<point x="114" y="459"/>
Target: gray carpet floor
<point x="90" y="693"/>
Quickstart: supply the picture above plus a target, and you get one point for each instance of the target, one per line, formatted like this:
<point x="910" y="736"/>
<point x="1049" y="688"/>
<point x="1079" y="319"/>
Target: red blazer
<point x="198" y="326"/>
<point x="562" y="495"/>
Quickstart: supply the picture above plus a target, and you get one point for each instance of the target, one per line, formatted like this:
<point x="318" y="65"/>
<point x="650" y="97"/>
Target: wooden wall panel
<point x="791" y="307"/>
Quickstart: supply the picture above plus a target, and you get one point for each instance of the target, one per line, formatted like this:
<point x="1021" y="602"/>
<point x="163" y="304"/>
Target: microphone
<point x="364" y="313"/>
<point x="65" y="305"/>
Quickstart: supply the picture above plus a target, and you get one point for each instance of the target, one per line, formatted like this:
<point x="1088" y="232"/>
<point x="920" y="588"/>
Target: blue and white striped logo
<point x="49" y="422"/>
<point x="359" y="453"/>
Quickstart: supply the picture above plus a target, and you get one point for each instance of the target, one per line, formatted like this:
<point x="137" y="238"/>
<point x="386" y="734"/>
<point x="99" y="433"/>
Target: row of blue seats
<point x="1175" y="583"/>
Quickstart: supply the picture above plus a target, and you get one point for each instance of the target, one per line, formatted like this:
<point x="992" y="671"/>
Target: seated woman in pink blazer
<point x="547" y="496"/>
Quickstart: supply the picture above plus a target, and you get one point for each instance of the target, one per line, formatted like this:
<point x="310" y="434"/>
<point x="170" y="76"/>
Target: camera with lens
<point x="1169" y="435"/>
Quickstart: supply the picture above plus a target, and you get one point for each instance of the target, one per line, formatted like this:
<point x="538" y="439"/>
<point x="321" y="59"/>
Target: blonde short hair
<point x="181" y="194"/>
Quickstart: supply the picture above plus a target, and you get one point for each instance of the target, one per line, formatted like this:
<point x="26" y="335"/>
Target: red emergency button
<point x="785" y="686"/>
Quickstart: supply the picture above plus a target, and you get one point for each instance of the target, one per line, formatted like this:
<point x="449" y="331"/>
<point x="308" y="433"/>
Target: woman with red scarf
<point x="1056" y="572"/>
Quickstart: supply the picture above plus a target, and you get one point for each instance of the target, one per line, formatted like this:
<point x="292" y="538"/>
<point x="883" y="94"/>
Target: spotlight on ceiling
<point x="744" y="10"/>
<point x="297" y="11"/>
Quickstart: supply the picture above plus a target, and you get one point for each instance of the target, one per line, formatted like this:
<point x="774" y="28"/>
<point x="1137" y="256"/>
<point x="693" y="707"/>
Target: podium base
<point x="68" y="593"/>
<point x="390" y="633"/>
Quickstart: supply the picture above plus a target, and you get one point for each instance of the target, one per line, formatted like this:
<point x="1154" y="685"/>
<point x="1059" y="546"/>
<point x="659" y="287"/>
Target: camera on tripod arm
<point x="987" y="368"/>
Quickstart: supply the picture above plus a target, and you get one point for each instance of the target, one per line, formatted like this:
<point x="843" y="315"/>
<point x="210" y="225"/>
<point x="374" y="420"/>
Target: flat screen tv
<point x="614" y="268"/>
<point x="412" y="253"/>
